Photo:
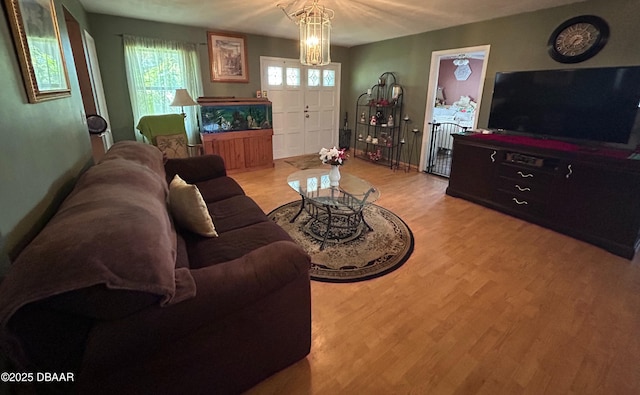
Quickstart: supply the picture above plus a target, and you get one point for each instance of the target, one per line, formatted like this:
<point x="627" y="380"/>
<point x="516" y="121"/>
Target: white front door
<point x="321" y="108"/>
<point x="305" y="105"/>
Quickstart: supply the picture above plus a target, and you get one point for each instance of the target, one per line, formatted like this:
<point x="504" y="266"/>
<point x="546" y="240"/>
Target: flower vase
<point x="334" y="176"/>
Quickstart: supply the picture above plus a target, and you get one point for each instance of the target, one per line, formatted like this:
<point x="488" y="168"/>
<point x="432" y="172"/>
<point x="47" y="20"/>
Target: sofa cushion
<point x="196" y="168"/>
<point x="232" y="244"/>
<point x="219" y="189"/>
<point x="236" y="212"/>
<point x="189" y="209"/>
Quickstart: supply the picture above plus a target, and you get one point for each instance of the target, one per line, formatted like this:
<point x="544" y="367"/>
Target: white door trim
<point x="433" y="86"/>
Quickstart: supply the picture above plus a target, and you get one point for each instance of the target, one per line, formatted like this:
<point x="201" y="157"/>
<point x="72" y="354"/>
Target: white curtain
<point x="155" y="69"/>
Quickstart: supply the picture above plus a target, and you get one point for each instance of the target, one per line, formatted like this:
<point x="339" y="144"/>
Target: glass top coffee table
<point x="335" y="211"/>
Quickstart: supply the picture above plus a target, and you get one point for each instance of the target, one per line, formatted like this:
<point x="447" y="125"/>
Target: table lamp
<point x="182" y="99"/>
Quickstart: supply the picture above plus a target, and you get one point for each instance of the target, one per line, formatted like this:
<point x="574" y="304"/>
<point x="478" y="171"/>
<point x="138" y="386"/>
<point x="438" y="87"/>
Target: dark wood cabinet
<point x="590" y="195"/>
<point x="598" y="204"/>
<point x="473" y="169"/>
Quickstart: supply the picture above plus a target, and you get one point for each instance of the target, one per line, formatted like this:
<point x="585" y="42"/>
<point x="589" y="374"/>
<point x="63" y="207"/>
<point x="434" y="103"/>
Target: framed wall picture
<point x="227" y="57"/>
<point x="34" y="26"/>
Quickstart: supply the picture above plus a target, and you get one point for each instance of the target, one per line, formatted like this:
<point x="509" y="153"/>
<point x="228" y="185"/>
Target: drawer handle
<point x="521" y="189"/>
<point x="493" y="156"/>
<point x="525" y="175"/>
<point x="519" y="203"/>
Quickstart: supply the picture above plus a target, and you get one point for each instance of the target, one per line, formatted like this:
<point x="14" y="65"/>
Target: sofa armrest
<point x="228" y="286"/>
<point x="196" y="168"/>
<point x="222" y="290"/>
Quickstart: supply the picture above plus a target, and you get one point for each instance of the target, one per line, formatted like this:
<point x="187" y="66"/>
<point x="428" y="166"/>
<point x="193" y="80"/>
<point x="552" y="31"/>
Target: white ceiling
<point x="356" y="21"/>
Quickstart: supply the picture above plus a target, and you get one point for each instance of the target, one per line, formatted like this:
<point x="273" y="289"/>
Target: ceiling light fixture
<point x="463" y="70"/>
<point x="315" y="32"/>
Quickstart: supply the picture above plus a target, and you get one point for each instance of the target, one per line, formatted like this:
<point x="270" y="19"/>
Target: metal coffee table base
<point x="345" y="221"/>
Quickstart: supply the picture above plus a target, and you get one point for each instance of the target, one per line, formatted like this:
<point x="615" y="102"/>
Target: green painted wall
<point x="108" y="30"/>
<point x="517" y="43"/>
<point x="44" y="146"/>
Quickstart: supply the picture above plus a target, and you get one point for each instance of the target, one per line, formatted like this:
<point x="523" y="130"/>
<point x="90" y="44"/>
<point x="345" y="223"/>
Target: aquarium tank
<point x="231" y="116"/>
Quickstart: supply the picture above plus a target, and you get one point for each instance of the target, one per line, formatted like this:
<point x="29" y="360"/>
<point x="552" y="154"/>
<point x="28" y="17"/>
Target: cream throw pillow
<point x="189" y="209"/>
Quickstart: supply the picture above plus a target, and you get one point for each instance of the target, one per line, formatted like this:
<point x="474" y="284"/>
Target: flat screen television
<point x="600" y="105"/>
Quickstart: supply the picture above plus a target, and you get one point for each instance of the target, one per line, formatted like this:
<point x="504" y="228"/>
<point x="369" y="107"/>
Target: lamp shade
<point x="182" y="98"/>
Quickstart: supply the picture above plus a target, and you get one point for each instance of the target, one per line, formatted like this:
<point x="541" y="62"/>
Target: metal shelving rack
<point x="374" y="138"/>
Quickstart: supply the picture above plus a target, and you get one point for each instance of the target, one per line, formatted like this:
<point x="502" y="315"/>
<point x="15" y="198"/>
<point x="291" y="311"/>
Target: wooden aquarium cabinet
<point x="239" y="130"/>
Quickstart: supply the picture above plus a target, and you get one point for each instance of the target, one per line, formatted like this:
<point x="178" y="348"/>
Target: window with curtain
<point x="155" y="69"/>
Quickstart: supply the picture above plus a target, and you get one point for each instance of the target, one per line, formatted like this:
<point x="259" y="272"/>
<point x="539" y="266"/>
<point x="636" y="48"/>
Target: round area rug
<point x="368" y="255"/>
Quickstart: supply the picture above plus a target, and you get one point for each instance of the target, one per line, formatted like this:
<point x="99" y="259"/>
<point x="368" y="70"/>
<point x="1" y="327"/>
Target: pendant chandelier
<point x="315" y="33"/>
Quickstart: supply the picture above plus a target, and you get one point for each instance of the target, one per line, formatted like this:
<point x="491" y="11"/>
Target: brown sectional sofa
<point x="114" y="292"/>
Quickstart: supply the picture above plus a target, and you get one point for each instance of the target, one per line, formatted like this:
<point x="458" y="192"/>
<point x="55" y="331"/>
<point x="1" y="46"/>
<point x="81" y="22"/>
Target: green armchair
<point x="167" y="132"/>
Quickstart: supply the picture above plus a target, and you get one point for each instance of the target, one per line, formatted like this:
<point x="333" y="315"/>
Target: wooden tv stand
<point x="590" y="194"/>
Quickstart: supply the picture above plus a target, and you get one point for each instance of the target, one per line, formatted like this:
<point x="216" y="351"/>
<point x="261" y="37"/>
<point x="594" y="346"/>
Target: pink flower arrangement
<point x="333" y="156"/>
<point x="375" y="156"/>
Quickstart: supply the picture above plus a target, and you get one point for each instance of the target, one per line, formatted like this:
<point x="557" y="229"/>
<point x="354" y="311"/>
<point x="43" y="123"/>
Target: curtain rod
<point x="155" y="38"/>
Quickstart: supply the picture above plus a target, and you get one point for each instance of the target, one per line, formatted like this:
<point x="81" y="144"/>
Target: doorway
<point x="456" y="82"/>
<point x="305" y="104"/>
<point x="85" y="59"/>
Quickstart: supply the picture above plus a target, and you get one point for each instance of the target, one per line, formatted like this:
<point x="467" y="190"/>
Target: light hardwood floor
<point x="487" y="304"/>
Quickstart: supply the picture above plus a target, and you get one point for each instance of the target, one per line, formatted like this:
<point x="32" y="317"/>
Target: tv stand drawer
<point x="520" y="204"/>
<point x="523" y="188"/>
<point x="529" y="174"/>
